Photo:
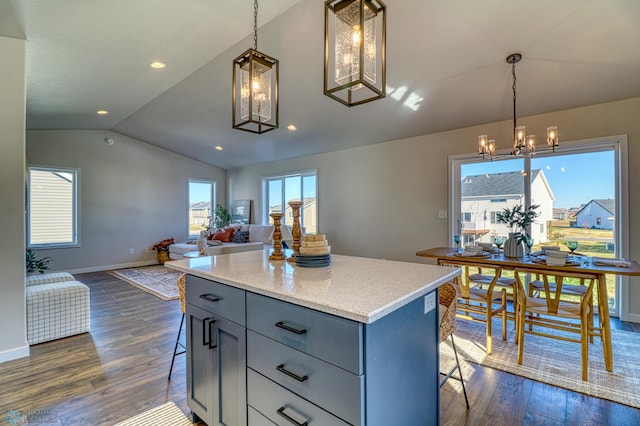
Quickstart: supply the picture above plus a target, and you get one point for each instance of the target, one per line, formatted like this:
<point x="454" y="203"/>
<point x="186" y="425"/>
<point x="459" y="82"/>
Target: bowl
<point x="486" y="246"/>
<point x="549" y="248"/>
<point x="556" y="261"/>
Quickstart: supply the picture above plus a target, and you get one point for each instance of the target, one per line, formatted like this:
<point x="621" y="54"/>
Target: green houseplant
<point x="222" y="216"/>
<point x="33" y="264"/>
<point x="518" y="219"/>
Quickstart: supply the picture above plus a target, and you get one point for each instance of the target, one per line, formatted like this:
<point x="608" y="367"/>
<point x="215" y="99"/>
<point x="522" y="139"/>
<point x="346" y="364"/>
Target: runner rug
<point x="157" y="280"/>
<point x="164" y="415"/>
<point x="554" y="362"/>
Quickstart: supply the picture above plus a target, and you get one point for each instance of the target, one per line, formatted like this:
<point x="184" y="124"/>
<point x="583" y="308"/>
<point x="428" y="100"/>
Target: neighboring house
<point x="199" y="213"/>
<point x="560" y="213"/>
<point x="597" y="214"/>
<point x="484" y="196"/>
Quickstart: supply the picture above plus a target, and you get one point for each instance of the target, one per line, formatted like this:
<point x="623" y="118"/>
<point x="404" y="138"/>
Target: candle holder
<point x="277" y="253"/>
<point x="296" y="232"/>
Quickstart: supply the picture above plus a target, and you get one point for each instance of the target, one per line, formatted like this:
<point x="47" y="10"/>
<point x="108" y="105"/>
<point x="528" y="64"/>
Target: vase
<point x="513" y="247"/>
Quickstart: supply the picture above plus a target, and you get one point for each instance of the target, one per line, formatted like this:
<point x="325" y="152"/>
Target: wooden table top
<point x="586" y="264"/>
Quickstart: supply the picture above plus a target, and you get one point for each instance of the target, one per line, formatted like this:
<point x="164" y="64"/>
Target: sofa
<point x="258" y="238"/>
<point x="57" y="306"/>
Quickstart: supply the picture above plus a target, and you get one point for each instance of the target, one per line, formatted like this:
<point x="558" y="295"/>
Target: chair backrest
<point x="553" y="284"/>
<point x="181" y="290"/>
<point x="463" y="281"/>
<point x="447" y="300"/>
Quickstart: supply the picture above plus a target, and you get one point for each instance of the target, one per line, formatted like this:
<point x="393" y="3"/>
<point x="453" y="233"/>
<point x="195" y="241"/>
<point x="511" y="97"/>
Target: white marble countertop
<point x="356" y="288"/>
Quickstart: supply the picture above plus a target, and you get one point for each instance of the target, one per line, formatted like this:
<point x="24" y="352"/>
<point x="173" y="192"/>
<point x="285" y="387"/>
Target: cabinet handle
<point x="281" y="369"/>
<point x="210" y="297"/>
<point x="284" y="326"/>
<point x="290" y="419"/>
<point x="204" y="332"/>
<point x="211" y="335"/>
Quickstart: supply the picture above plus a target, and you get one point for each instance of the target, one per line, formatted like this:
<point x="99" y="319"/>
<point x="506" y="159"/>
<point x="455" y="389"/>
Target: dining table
<point x="576" y="263"/>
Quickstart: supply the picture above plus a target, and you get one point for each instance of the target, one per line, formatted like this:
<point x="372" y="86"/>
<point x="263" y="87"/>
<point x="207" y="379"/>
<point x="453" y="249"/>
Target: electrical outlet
<point x="430" y="302"/>
<point x="132" y="251"/>
<point x="147" y="250"/>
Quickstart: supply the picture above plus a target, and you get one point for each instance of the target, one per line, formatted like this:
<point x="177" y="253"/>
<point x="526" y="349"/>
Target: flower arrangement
<point x="163" y="245"/>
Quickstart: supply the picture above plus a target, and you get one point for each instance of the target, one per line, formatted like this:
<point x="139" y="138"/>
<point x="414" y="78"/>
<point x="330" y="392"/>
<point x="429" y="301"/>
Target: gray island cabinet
<point x="273" y="343"/>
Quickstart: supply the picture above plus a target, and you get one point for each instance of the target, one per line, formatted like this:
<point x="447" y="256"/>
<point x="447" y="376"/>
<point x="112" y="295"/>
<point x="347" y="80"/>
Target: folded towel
<point x="611" y="262"/>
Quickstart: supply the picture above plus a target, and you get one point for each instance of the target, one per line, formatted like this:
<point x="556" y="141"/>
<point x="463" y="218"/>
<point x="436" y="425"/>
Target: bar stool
<point x="181" y="290"/>
<point x="447" y="300"/>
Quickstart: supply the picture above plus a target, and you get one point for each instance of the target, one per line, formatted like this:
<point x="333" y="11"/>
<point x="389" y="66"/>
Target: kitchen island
<point x="271" y="342"/>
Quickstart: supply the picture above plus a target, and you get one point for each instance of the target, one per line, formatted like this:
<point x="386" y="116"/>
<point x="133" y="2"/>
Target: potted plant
<point x="163" y="249"/>
<point x="222" y="217"/>
<point x="33" y="265"/>
<point x="518" y="219"/>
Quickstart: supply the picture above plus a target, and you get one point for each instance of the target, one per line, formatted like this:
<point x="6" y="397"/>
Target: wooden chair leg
<point x="504" y="314"/>
<point x="489" y="327"/>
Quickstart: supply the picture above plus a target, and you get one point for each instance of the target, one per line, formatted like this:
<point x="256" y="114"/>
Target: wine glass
<point x="572" y="245"/>
<point x="529" y="243"/>
<point x="499" y="241"/>
<point x="456" y="239"/>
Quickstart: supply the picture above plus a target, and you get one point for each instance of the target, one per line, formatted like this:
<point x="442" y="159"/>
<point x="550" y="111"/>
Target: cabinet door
<point x="200" y="364"/>
<point x="229" y="373"/>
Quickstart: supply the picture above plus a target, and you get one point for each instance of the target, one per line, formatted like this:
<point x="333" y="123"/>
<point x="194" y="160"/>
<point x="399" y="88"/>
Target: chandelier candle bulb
<point x="531" y="143"/>
<point x="552" y="137"/>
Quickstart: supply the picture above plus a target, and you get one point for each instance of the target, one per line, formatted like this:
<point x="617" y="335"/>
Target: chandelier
<point x="255" y="88"/>
<point x="521" y="141"/>
<point x="355" y="50"/>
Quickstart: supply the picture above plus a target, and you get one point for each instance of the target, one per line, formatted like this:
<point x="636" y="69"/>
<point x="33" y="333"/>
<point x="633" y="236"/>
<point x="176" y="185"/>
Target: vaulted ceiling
<point x="446" y="68"/>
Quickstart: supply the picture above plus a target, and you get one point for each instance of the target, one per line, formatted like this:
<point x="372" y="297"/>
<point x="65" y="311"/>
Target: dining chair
<point x="548" y="312"/>
<point x="481" y="303"/>
<point x="181" y="291"/>
<point x="447" y="300"/>
<point x="483" y="277"/>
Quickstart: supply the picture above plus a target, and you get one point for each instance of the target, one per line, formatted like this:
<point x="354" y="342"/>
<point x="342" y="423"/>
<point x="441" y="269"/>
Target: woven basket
<point x="448" y="296"/>
<point x="181" y="289"/>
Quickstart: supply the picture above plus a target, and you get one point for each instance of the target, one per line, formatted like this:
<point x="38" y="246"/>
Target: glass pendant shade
<point x="255" y="92"/>
<point x="355" y="39"/>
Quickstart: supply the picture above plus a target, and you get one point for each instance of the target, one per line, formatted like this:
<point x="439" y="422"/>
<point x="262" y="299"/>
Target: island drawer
<point x="283" y="407"/>
<point x="334" y="389"/>
<point x="220" y="299"/>
<point x="256" y="419"/>
<point x="328" y="337"/>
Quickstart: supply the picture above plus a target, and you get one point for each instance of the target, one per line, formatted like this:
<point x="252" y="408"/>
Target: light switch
<point x="442" y="214"/>
<point x="429" y="302"/>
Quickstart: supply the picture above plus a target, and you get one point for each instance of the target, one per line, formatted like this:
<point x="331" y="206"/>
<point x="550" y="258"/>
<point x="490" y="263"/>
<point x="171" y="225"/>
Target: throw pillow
<point x="224" y="235"/>
<point x="240" y="237"/>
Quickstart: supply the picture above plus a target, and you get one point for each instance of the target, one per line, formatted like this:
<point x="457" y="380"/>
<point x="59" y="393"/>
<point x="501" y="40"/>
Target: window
<point x="279" y="190"/>
<point x="201" y="201"/>
<point x="52" y="210"/>
<point x="466" y="217"/>
<point x="584" y="179"/>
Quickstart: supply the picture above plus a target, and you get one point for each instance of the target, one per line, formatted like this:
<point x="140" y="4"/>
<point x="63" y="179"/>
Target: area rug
<point x="165" y="414"/>
<point x="157" y="280"/>
<point x="556" y="362"/>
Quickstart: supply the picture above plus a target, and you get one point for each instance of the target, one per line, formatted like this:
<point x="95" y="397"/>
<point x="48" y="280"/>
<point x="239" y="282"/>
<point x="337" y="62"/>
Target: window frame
<point x="618" y="144"/>
<point x="75" y="208"/>
<point x="283" y="177"/>
<point x="213" y="184"/>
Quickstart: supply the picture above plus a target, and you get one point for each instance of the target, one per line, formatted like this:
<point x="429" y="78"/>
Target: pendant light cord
<point x="255" y="26"/>
<point x="515" y="124"/>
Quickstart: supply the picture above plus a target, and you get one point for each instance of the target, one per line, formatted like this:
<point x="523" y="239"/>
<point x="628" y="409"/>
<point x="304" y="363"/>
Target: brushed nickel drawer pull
<point x="281" y="369"/>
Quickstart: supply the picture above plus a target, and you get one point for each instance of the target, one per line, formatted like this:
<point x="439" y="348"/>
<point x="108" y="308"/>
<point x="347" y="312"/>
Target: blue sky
<point x="575" y="179"/>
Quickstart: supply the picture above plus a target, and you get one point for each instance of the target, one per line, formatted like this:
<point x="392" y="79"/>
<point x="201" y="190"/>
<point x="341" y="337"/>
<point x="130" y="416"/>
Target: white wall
<point x="132" y="195"/>
<point x="13" y="336"/>
<point x="382" y="200"/>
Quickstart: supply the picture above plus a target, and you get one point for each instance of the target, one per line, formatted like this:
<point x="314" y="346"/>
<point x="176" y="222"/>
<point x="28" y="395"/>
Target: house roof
<point x="608" y="204"/>
<point x="495" y="184"/>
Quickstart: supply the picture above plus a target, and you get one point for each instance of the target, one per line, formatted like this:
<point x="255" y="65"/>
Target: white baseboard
<point x="20" y="352"/>
<point x="633" y="318"/>
<point x="111" y="267"/>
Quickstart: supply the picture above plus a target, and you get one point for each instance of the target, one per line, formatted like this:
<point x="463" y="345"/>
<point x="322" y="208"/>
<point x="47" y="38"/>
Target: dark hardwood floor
<point x="120" y="369"/>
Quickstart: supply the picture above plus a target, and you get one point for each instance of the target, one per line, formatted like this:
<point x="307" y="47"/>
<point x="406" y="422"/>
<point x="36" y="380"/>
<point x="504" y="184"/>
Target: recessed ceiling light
<point x="218" y="148"/>
<point x="102" y="112"/>
<point x="292" y="127"/>
<point x="157" y="65"/>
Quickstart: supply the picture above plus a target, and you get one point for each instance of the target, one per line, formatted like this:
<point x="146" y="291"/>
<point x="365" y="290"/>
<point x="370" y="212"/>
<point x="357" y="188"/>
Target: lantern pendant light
<point x="355" y="50"/>
<point x="255" y="88"/>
